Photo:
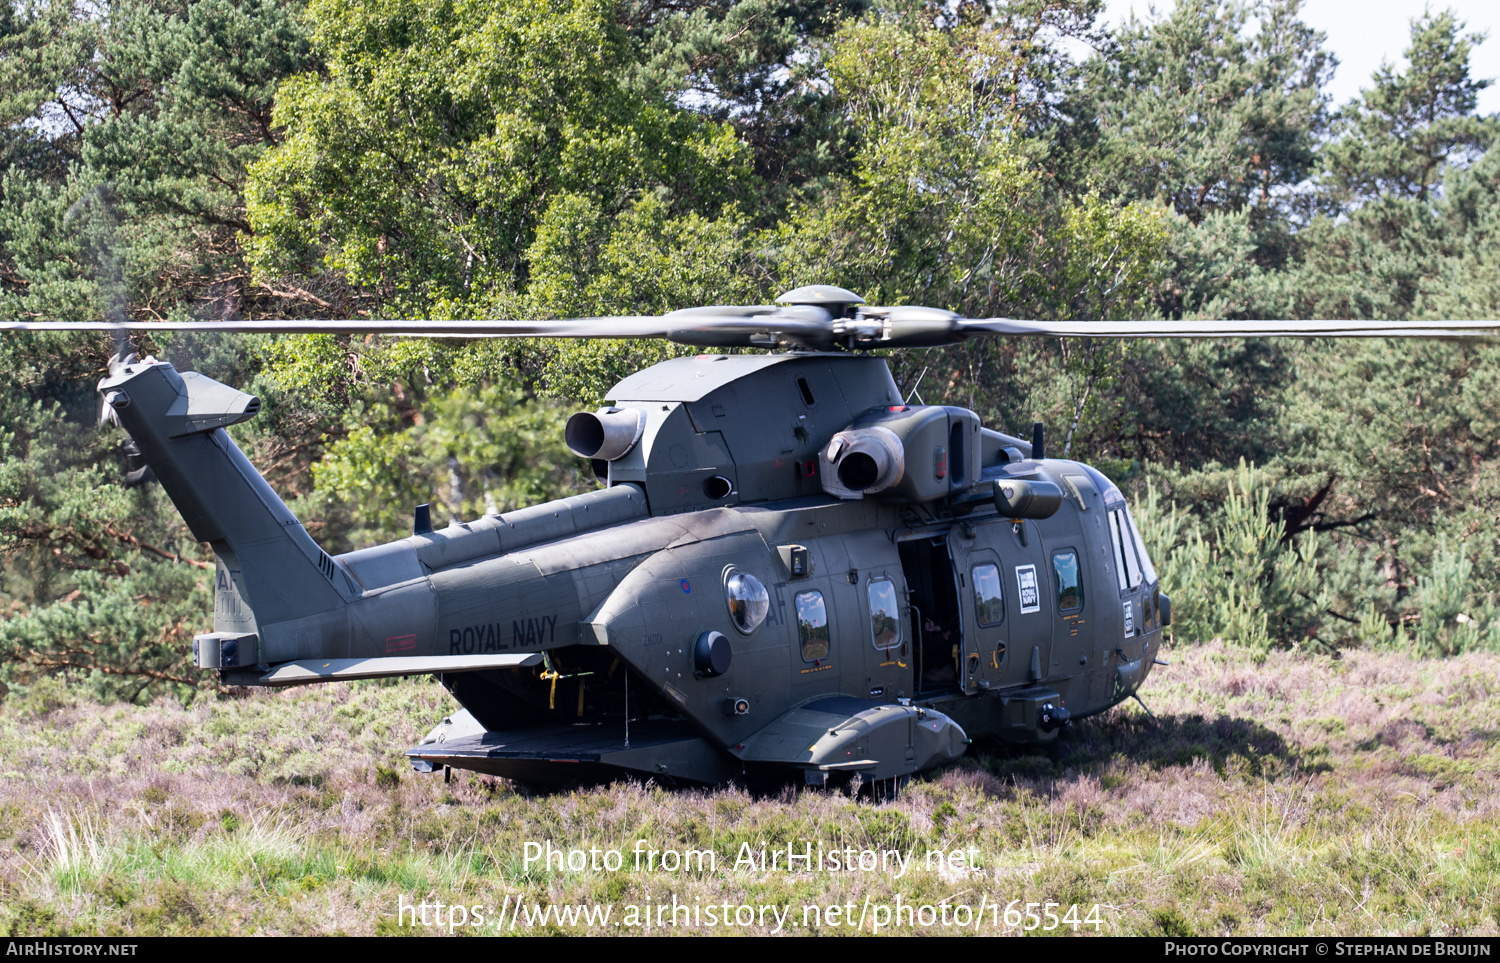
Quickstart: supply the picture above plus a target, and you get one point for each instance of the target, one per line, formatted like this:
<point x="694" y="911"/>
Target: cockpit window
<point x="1125" y="549"/>
<point x="1114" y="536"/>
<point x="1141" y="547"/>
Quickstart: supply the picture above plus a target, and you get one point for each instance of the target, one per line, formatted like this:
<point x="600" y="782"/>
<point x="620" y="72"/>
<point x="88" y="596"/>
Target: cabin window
<point x="989" y="603"/>
<point x="1069" y="581"/>
<point x="885" y="614"/>
<point x="812" y="625"/>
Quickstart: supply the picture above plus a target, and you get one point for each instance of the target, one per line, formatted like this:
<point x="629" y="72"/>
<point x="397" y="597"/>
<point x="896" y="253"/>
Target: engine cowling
<point x="863" y="461"/>
<point x="919" y="452"/>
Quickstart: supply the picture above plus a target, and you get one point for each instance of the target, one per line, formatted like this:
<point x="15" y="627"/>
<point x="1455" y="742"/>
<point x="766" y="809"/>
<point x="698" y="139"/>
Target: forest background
<point x="497" y="158"/>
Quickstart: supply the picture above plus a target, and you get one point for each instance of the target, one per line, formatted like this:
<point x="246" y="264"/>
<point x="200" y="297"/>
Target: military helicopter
<point x="788" y="569"/>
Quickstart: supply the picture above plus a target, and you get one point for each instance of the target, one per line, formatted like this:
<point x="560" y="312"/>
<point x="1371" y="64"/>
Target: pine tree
<point x="1396" y="140"/>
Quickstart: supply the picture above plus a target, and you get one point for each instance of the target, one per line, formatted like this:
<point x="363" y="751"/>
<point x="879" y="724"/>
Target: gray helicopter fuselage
<point x="901" y="617"/>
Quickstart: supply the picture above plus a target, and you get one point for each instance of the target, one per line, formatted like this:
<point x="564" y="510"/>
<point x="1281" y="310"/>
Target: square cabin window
<point x="989" y="602"/>
<point x="885" y="614"/>
<point x="1069" y="581"/>
<point x="812" y="625"/>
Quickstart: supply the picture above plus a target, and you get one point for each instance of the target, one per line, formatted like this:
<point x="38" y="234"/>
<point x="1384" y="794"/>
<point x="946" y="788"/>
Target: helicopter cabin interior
<point x="933" y="615"/>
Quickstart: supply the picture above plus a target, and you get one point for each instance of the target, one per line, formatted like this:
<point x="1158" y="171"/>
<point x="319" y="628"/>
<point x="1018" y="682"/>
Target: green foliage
<point x="471" y="451"/>
<point x="944" y="206"/>
<point x="1456" y="613"/>
<point x="127" y="133"/>
<point x="420" y="162"/>
<point x="745" y="63"/>
<point x="1234" y="572"/>
<point x="1466" y="282"/>
<point x="1200" y="114"/>
<point x="1395" y="238"/>
<point x="1398" y="136"/>
<point x="133" y="128"/>
<point x="100" y="582"/>
<point x="642" y="261"/>
<point x="1235" y="576"/>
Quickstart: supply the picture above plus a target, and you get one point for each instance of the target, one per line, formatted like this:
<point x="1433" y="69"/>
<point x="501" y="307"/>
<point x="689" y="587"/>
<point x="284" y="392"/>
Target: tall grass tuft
<point x="75" y="850"/>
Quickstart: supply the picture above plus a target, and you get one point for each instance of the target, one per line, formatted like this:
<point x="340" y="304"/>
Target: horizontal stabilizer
<point x="336" y="670"/>
<point x="207" y="405"/>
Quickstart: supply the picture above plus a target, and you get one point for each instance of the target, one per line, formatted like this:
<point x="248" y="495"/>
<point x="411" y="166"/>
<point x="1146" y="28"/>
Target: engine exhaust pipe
<point x="606" y="434"/>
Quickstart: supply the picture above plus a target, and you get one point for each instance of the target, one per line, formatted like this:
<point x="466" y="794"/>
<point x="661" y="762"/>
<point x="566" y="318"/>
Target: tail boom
<point x="471" y="597"/>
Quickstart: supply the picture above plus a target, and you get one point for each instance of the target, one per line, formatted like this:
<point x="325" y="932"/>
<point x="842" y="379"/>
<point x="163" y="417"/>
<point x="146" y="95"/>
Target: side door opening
<point x="936" y="622"/>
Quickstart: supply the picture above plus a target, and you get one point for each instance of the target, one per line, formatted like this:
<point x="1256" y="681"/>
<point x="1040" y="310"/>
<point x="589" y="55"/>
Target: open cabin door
<point x="934" y="618"/>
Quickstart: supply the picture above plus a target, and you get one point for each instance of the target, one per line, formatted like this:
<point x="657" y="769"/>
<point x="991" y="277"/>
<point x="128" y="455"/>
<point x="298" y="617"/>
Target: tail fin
<point x="269" y="569"/>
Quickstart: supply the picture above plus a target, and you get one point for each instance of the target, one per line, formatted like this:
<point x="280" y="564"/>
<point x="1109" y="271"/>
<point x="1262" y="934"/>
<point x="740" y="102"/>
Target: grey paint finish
<point x="341" y="670"/>
<point x="842" y="734"/>
<point x="696" y="412"/>
<point x="556" y="617"/>
<point x="278" y="572"/>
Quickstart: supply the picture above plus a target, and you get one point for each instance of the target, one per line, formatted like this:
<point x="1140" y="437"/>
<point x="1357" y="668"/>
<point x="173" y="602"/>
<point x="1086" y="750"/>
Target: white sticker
<point x="1129" y="621"/>
<point x="1031" y="598"/>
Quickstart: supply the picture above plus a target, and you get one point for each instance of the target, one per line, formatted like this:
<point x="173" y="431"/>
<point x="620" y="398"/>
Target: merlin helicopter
<point x="787" y="569"/>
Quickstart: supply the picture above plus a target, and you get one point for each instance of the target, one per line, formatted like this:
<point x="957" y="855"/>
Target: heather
<point x="1289" y="794"/>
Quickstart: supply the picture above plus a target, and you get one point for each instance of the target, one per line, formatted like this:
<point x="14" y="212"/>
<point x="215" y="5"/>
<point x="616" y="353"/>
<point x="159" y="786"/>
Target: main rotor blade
<point x="624" y="326"/>
<point x="750" y="326"/>
<point x="765" y="326"/>
<point x="810" y="326"/>
<point x="1227" y="329"/>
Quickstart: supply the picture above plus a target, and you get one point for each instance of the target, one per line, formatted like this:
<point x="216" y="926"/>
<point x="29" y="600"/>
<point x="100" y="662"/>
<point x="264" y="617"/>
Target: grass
<point x="1287" y="795"/>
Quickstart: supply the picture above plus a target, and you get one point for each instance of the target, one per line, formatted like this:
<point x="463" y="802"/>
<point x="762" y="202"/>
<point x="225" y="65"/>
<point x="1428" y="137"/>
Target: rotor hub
<point x="834" y="300"/>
